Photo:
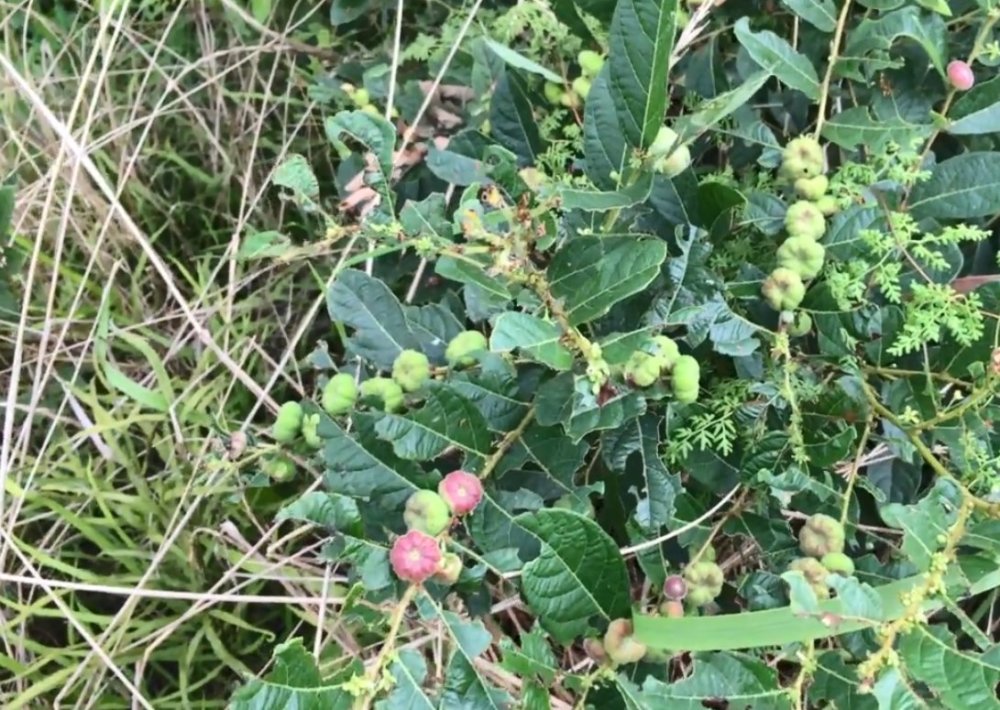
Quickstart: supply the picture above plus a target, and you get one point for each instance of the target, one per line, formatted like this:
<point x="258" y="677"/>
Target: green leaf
<point x="533" y="658"/>
<point x="602" y="201"/>
<point x="426" y="217"/>
<point x="591" y="274"/>
<point x="261" y="245"/>
<point x="373" y="132"/>
<point x="464" y="272"/>
<point x="855" y="126"/>
<point x="409" y="670"/>
<point x="977" y="111"/>
<point x="445" y="420"/>
<point x="711" y="112"/>
<point x="775" y="56"/>
<point x="893" y="692"/>
<point x="570" y="401"/>
<point x="961" y="679"/>
<point x="655" y="499"/>
<point x="464" y="686"/>
<point x="368" y="561"/>
<point x="294" y="681"/>
<point x="494" y="391"/>
<point x="138" y="393"/>
<point x="922" y="524"/>
<point x="559" y="457"/>
<point x="872" y="39"/>
<point x="519" y="61"/>
<point x="455" y="168"/>
<point x="365" y="304"/>
<point x="512" y="120"/>
<point x="360" y="465"/>
<point x="538" y="339"/>
<point x="837" y="683"/>
<point x="7" y="198"/>
<point x="569" y="12"/>
<point x="578" y="574"/>
<point x="344" y="11"/>
<point x="328" y="510"/>
<point x="295" y="174"/>
<point x="736" y="680"/>
<point x="962" y="187"/>
<point x="938" y="6"/>
<point x="641" y="40"/>
<point x="821" y="14"/>
<point x="604" y="146"/>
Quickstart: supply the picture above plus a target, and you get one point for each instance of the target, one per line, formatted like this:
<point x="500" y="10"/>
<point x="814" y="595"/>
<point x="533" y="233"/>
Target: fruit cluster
<point x="410" y="372"/>
<point x="590" y="66"/>
<point x="800" y="256"/>
<point x="660" y="357"/>
<point x="417" y="555"/>
<point x="822" y="540"/>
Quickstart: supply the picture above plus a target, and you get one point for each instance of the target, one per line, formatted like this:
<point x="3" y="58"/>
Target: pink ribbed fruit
<point x="960" y="75"/>
<point x="462" y="490"/>
<point x="415" y="557"/>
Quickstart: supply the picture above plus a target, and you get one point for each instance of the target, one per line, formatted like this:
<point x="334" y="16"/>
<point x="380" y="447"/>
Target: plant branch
<point x="824" y="93"/>
<point x="395" y="622"/>
<point x="508" y="441"/>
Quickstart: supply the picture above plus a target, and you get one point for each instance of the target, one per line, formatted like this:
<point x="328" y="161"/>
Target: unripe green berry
<point x="553" y="92"/>
<point x="427" y="512"/>
<point x="666" y="351"/>
<point x="642" y="369"/>
<point x="279" y="469"/>
<point x="386" y="390"/>
<point x="581" y="86"/>
<point x="449" y="569"/>
<point x="361" y="97"/>
<point x="310" y="431"/>
<point x="684" y="379"/>
<point x="339" y="394"/>
<point x="802" y="157"/>
<point x="812" y="188"/>
<point x="815" y="574"/>
<point x="675" y="163"/>
<point x="783" y="289"/>
<point x="288" y="422"/>
<point x="803" y="219"/>
<point x="801" y="325"/>
<point x="570" y="99"/>
<point x="663" y="143"/>
<point x="704" y="582"/>
<point x="827" y="204"/>
<point x="463" y="347"/>
<point x="411" y="370"/>
<point x="590" y="62"/>
<point x="821" y="535"/>
<point x="621" y="646"/>
<point x="838" y="563"/>
<point x="802" y="255"/>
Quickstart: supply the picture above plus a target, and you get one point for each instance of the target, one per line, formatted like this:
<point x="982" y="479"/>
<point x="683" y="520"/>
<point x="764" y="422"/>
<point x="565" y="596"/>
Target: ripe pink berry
<point x="415" y="556"/>
<point x="960" y="75"/>
<point x="675" y="588"/>
<point x="462" y="490"/>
